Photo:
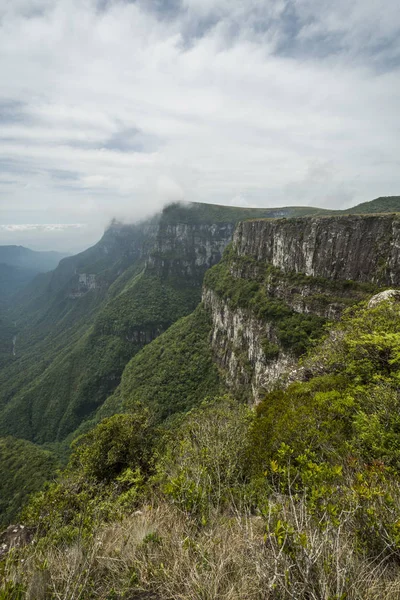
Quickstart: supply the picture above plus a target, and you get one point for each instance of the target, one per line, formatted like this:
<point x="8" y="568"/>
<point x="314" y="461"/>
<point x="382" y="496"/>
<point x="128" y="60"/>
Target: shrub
<point x="117" y="443"/>
<point x="204" y="463"/>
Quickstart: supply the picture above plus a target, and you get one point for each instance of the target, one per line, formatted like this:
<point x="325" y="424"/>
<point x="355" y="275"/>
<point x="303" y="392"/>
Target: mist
<point x="112" y="109"/>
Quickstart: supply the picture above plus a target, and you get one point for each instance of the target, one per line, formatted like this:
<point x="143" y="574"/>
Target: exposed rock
<point x="14" y="536"/>
<point x="319" y="266"/>
<point x="393" y="295"/>
<point x="360" y="248"/>
<point x="188" y="250"/>
<point x="236" y="340"/>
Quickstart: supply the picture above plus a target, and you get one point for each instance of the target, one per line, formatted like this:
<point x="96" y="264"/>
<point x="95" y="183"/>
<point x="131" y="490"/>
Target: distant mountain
<point x="19" y="265"/>
<point x="19" y="256"/>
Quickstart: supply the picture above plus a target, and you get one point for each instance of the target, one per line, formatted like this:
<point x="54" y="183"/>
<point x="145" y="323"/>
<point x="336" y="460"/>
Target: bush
<point x="204" y="463"/>
<point x="117" y="443"/>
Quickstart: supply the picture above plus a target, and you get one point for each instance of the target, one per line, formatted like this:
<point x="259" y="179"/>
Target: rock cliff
<point x="188" y="250"/>
<point x="282" y="280"/>
<point x="81" y="324"/>
<point x="360" y="248"/>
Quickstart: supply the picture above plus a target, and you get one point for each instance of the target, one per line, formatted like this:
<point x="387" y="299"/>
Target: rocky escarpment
<point x="282" y="280"/>
<point x="188" y="250"/>
<point x="360" y="248"/>
<point x="98" y="309"/>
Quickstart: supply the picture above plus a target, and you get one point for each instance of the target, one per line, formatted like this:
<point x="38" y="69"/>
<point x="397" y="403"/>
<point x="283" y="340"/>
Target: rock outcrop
<point x="360" y="248"/>
<point x="392" y="295"/>
<point x="188" y="250"/>
<point x="283" y="278"/>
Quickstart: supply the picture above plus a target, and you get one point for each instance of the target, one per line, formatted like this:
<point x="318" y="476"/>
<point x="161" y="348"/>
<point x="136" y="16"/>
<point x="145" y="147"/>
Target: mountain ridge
<point x="89" y="317"/>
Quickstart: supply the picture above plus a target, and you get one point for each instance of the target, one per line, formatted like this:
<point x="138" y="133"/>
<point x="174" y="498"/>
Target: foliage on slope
<point x="172" y="374"/>
<point x="24" y="468"/>
<point x="62" y="339"/>
<point x="79" y="379"/>
<point x="298" y="499"/>
<point x="384" y="204"/>
<point x="7" y="332"/>
<point x="13" y="279"/>
<point x="71" y="347"/>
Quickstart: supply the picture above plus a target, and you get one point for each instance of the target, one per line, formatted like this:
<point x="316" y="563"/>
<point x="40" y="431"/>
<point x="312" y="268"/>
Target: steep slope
<point x="7" y="337"/>
<point x="23" y="469"/>
<point x="282" y="280"/>
<point x="53" y="316"/>
<point x="263" y="306"/>
<point x="172" y="374"/>
<point x="79" y="326"/>
<point x="299" y="498"/>
<point x="270" y="298"/>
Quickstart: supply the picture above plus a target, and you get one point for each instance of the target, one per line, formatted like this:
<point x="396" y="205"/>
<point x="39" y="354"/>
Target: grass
<point x="161" y="551"/>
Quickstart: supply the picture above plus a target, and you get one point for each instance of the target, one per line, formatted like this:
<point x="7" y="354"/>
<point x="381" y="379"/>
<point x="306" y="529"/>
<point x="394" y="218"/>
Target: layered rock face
<point x="188" y="250"/>
<point x="359" y="248"/>
<point x="283" y="279"/>
<point x="86" y="320"/>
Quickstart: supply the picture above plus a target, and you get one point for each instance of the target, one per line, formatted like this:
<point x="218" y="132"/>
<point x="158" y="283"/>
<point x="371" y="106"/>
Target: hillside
<point x="78" y="326"/>
<point x="83" y="322"/>
<point x="268" y="301"/>
<point x="94" y="337"/>
<point x="19" y="461"/>
<point x="39" y="262"/>
<point x="13" y="279"/>
<point x="297" y="499"/>
<point x="127" y="345"/>
<point x="385" y="204"/>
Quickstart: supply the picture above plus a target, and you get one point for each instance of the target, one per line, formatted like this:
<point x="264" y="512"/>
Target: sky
<point x="112" y="108"/>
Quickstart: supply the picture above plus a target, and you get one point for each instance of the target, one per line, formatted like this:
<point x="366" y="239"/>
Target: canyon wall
<point x="282" y="280"/>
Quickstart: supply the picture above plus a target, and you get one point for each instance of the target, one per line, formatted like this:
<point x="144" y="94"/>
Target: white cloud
<point x="40" y="227"/>
<point x="119" y="110"/>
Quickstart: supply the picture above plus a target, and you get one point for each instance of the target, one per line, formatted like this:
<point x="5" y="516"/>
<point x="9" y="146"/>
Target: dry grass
<point x="163" y="552"/>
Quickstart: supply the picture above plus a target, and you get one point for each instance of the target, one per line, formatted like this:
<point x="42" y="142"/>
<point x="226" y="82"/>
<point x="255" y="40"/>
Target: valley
<point x="245" y="328"/>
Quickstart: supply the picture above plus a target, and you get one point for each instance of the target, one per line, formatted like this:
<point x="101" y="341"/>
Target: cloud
<point x="40" y="227"/>
<point x="115" y="107"/>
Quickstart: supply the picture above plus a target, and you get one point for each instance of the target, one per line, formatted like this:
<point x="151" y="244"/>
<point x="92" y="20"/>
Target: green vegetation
<point x="7" y="333"/>
<point x="99" y="482"/>
<point x="172" y="374"/>
<point x="66" y="393"/>
<point x="150" y="303"/>
<point x="72" y="348"/>
<point x="294" y="331"/>
<point x="216" y="213"/>
<point x="297" y="499"/>
<point x="385" y="204"/>
<point x="184" y="492"/>
<point x="350" y="405"/>
<point x="24" y="468"/>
